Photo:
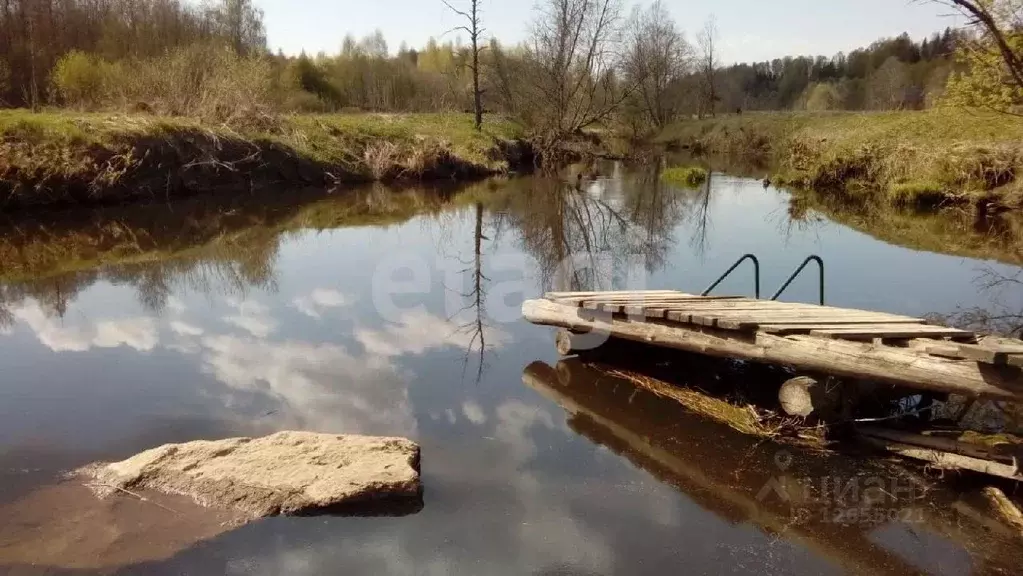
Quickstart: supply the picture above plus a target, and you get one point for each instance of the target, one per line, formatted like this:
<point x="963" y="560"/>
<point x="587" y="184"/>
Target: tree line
<point x="890" y="74"/>
<point x="36" y="34"/>
<point x="584" y="62"/>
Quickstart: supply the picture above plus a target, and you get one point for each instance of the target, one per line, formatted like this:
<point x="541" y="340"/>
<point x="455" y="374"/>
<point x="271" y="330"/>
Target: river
<point x="396" y="313"/>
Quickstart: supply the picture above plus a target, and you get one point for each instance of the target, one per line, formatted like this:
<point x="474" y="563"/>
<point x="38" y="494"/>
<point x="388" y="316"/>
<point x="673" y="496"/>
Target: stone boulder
<point x="288" y="473"/>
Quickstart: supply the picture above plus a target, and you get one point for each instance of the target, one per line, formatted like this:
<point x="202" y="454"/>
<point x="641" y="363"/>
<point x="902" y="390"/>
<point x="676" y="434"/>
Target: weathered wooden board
<point x="751" y="305"/>
<point x="609" y="294"/>
<point x="901" y="331"/>
<point x="819" y="312"/>
<point x="752" y="320"/>
<point x="796" y="328"/>
<point x="986" y="353"/>
<point x="592" y="303"/>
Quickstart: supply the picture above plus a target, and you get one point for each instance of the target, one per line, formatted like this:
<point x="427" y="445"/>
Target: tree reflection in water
<point x="599" y="235"/>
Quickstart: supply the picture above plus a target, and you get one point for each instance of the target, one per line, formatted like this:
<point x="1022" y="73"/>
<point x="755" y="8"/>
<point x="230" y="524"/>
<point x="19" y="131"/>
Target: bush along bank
<point x="908" y="159"/>
<point x="66" y="159"/>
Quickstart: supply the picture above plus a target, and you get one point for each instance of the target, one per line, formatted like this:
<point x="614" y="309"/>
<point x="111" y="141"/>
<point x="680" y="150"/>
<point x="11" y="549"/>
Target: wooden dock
<point x="877" y="346"/>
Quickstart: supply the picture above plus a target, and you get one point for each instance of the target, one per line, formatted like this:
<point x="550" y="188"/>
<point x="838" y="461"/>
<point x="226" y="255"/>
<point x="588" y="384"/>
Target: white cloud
<point x="137" y="333"/>
<point x="474" y="413"/>
<point x="319" y="386"/>
<point x="319" y="301"/>
<point x="418" y="331"/>
<point x="252" y="317"/>
<point x="185" y="329"/>
<point x="70" y="335"/>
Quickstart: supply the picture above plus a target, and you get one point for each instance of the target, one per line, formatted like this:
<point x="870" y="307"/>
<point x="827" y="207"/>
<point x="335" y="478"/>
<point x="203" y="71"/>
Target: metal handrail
<point x="756" y="272"/>
<point x="820" y="264"/>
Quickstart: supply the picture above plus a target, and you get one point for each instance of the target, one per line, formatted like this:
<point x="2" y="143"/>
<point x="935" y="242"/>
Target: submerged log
<point x="564" y="341"/>
<point x="897" y="366"/>
<point x="803" y="396"/>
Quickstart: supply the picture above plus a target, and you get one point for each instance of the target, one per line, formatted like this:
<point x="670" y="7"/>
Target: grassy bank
<point x="937" y="157"/>
<point x="68" y="158"/>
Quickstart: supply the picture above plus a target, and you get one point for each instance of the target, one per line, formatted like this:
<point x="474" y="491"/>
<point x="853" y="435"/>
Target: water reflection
<point x="745" y="481"/>
<point x="124" y="329"/>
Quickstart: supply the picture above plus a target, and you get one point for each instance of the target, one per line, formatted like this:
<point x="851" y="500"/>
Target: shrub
<point x="691" y="176"/>
<point x="206" y="81"/>
<point x="80" y="79"/>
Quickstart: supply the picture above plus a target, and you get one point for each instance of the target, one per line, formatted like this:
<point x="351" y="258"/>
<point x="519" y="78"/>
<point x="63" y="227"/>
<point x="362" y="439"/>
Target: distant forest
<point x="176" y="57"/>
<point x="890" y="74"/>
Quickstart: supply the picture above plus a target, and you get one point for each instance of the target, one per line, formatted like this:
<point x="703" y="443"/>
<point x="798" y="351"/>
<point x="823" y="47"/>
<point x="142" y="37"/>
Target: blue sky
<point x="749" y="29"/>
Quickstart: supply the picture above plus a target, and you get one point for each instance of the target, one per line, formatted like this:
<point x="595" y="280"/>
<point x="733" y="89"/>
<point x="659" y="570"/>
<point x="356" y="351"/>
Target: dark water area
<point x="397" y="313"/>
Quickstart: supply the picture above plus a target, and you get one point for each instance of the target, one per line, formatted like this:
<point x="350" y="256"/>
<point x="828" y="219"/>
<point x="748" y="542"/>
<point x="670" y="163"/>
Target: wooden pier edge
<point x="897" y="366"/>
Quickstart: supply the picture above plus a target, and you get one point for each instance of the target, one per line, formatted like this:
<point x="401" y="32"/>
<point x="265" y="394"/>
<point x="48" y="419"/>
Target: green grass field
<point x="902" y="158"/>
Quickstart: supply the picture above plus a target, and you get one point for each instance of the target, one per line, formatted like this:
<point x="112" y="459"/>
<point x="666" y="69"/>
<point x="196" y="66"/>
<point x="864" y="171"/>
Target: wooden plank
<point x="786" y="329"/>
<point x="820" y="314"/>
<point x="559" y="295"/>
<point x="997" y="354"/>
<point x="705" y="307"/>
<point x="665" y="300"/>
<point x="903" y="331"/>
<point x="900" y="366"/>
<point x="728" y="305"/>
<point x="944" y="350"/>
<point x="753" y="320"/>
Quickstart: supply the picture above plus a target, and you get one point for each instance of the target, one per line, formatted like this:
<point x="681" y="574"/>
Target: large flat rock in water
<point x="286" y="473"/>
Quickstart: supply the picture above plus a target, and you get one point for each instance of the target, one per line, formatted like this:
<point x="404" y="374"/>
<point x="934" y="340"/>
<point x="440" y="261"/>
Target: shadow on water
<point x="837" y="507"/>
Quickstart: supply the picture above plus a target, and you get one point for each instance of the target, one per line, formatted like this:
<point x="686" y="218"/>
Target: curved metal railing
<point x="820" y="265"/>
<point x="756" y="275"/>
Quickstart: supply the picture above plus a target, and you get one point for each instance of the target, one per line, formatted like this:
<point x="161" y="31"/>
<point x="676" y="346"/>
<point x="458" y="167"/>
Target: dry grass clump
<point x="746" y="419"/>
<point x="205" y="81"/>
<point x="53" y="158"/>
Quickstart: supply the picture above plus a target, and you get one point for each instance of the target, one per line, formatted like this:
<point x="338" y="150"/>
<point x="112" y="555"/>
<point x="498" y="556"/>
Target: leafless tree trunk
<point x="473" y="29"/>
<point x="707" y="39"/>
<point x="658" y="57"/>
<point x="573" y="52"/>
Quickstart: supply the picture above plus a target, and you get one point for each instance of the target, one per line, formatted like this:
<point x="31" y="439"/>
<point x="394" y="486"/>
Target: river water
<point x="396" y="313"/>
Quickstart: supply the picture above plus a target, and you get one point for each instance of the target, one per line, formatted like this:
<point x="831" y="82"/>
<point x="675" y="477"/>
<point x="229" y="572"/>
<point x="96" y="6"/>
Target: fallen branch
<point x="946" y="460"/>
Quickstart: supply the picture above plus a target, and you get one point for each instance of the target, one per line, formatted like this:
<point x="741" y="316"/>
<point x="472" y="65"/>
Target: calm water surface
<point x="125" y="331"/>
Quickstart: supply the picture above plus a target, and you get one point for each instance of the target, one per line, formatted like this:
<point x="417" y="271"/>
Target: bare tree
<point x="475" y="31"/>
<point x="658" y="58"/>
<point x="573" y="52"/>
<point x="887" y="86"/>
<point x="708" y="63"/>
